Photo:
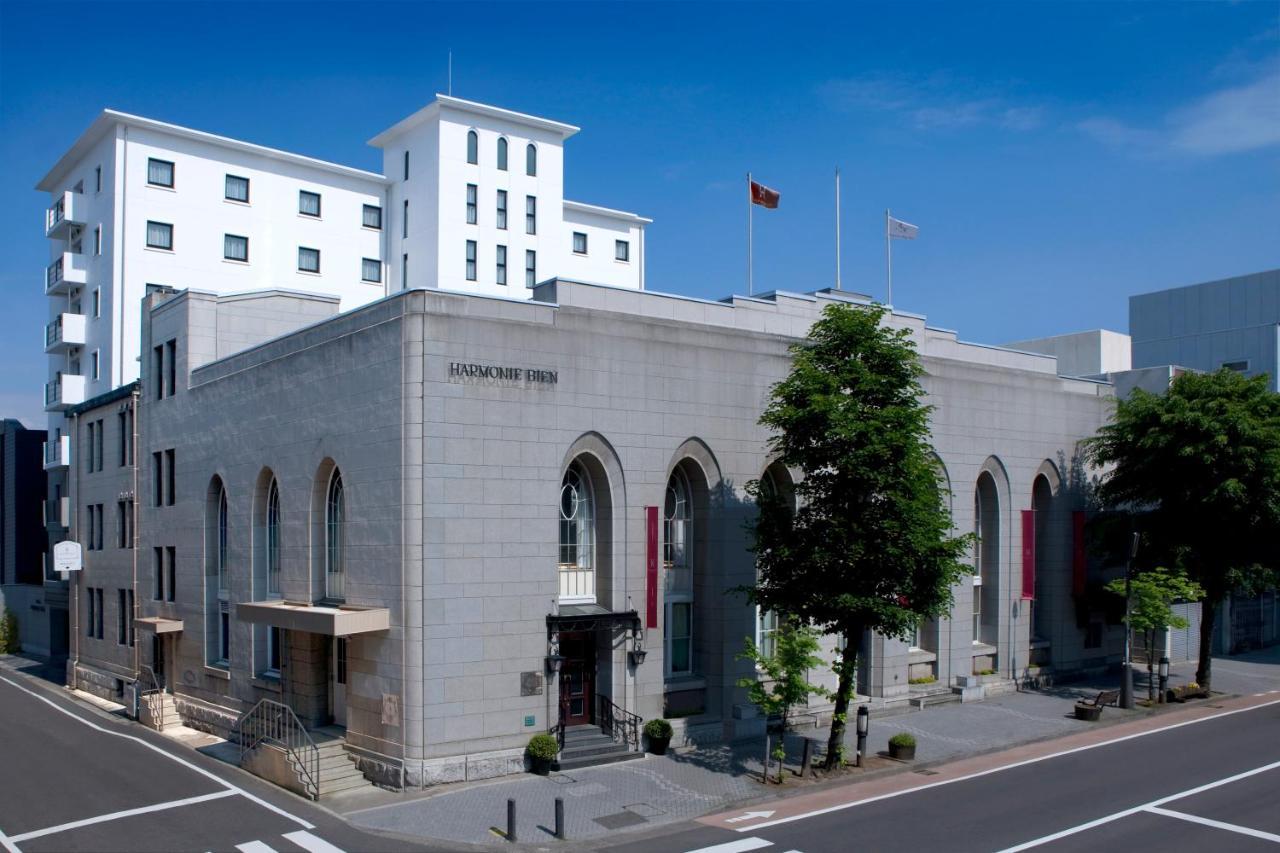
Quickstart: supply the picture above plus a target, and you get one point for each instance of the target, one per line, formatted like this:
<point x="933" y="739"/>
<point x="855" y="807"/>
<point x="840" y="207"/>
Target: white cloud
<point x="934" y="102"/>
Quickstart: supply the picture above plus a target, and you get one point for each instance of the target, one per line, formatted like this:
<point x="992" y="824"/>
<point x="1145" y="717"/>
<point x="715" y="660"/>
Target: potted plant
<point x="902" y="746"/>
<point x="658" y="731"/>
<point x="542" y="750"/>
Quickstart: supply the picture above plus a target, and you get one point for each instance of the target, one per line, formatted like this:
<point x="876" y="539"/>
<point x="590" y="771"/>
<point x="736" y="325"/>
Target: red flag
<point x="763" y="196"/>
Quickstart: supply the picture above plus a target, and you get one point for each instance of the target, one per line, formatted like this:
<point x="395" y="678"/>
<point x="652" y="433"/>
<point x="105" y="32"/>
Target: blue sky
<point x="1057" y="157"/>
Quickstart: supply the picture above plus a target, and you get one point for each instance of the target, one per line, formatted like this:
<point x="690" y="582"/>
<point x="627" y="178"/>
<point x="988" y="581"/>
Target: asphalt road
<point x="1211" y="785"/>
<point x="75" y="778"/>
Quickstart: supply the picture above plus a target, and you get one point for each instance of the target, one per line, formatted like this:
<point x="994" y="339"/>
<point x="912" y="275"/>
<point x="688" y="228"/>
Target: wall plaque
<point x="531" y="684"/>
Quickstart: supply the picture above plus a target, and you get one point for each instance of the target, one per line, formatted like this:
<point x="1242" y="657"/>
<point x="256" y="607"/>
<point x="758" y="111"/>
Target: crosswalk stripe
<point x="742" y="845"/>
<point x="255" y="847"/>
<point x="311" y="843"/>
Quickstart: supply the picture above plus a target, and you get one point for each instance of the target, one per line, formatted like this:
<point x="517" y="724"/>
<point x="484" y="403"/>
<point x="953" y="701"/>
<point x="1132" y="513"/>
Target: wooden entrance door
<point x="577" y="678"/>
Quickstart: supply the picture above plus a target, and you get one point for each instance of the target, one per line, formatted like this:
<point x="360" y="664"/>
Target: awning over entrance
<point x="588" y="617"/>
<point x="159" y="624"/>
<point x="331" y="621"/>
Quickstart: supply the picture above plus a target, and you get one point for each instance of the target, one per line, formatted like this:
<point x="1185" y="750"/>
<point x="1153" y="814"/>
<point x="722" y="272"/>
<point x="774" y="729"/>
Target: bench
<point x="1091" y="710"/>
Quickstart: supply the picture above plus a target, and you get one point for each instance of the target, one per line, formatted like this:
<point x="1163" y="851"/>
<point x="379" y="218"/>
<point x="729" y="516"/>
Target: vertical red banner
<point x="651" y="566"/>
<point x="1028" y="553"/>
<point x="1079" y="568"/>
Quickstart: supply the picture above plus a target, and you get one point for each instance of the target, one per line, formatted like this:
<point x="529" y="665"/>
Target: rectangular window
<point x="170" y="465"/>
<point x="90" y="611"/>
<point x="1237" y="366"/>
<point x="308" y="259"/>
<point x="471" y="260"/>
<point x="132" y="609"/>
<point x="766" y="629"/>
<point x="157" y="566"/>
<point x="171" y="573"/>
<point x="98" y="538"/>
<point x="501" y="272"/>
<point x="471" y="204"/>
<point x="159" y="172"/>
<point x="93" y="366"/>
<point x="621" y="250"/>
<point x="372" y="217"/>
<point x="502" y="209"/>
<point x="308" y="203"/>
<point x="680" y="638"/>
<point x="157" y="478"/>
<point x="88" y="448"/>
<point x="88" y="511"/>
<point x="97" y="302"/>
<point x="171" y="368"/>
<point x="160" y="235"/>
<point x="122" y="617"/>
<point x="157" y="372"/>
<point x="273" y="651"/>
<point x="97" y="240"/>
<point x="224" y="638"/>
<point x="122" y="425"/>
<point x="404" y="220"/>
<point x="97" y="179"/>
<point x="235" y="248"/>
<point x="579" y="243"/>
<point x="404" y="271"/>
<point x="530" y="267"/>
<point x="97" y="628"/>
<point x="121" y="525"/>
<point x="237" y="189"/>
<point x="406" y="164"/>
<point x="370" y="270"/>
<point x="530" y="215"/>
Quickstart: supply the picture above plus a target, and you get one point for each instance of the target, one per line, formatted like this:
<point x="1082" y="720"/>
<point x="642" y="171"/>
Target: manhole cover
<point x="644" y="809"/>
<point x="926" y="772"/>
<point x="621" y="820"/>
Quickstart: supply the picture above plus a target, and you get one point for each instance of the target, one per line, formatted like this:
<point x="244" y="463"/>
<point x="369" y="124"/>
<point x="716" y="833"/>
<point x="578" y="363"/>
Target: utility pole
<point x="1126" y="675"/>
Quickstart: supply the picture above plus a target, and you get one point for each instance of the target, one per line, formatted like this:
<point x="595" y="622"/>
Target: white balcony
<point x="64" y="214"/>
<point x="57" y="453"/>
<point x="70" y="270"/>
<point x="63" y="393"/>
<point x="577" y="584"/>
<point x="57" y="512"/>
<point x="66" y="331"/>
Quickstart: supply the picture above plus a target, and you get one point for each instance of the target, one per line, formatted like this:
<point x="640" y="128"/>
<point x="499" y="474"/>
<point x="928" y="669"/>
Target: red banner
<point x="1079" y="568"/>
<point x="763" y="196"/>
<point x="1028" y="553"/>
<point x="651" y="566"/>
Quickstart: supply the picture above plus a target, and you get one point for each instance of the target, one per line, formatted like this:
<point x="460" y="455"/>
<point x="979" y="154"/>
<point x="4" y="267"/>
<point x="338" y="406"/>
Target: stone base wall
<point x="206" y="717"/>
<point x="96" y="682"/>
<point x="463" y="768"/>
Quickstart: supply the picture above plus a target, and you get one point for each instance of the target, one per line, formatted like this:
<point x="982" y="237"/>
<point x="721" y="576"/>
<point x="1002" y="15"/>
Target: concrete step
<point x="593" y="749"/>
<point x="587" y="740"/>
<point x="328" y="762"/>
<point x="595" y="760"/>
<point x="331" y="786"/>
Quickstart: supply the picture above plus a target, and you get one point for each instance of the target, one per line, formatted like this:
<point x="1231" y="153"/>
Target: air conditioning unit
<point x="76" y="231"/>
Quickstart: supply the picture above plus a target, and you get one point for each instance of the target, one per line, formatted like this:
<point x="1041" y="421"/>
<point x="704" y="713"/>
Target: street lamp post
<point x="1126" y="675"/>
<point x="1164" y="676"/>
<point x="864" y="723"/>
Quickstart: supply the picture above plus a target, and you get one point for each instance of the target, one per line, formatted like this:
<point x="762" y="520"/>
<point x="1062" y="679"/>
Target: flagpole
<point x="750" y="271"/>
<point x="837" y="228"/>
<point x="888" y="259"/>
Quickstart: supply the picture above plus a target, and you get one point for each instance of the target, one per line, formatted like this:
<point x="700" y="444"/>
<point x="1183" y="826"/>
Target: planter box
<point x="902" y="753"/>
<point x="1088" y="713"/>
<point x="658" y="745"/>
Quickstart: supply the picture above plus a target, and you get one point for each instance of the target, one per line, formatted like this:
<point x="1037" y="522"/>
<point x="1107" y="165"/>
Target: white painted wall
<point x="603" y="229"/>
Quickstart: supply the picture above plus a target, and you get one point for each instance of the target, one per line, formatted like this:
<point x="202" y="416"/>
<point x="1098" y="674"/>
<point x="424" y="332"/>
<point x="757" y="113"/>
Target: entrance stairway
<point x="157" y="710"/>
<point x="338" y="771"/>
<point x="587" y="746"/>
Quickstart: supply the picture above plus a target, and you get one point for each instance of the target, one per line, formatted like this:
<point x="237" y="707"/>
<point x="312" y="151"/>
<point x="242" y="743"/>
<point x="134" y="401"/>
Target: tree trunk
<point x="1208" y="618"/>
<point x="1151" y="680"/>
<point x="847" y="672"/>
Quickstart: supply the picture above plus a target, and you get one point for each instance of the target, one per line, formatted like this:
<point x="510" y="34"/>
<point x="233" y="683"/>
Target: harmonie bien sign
<point x="464" y="371"/>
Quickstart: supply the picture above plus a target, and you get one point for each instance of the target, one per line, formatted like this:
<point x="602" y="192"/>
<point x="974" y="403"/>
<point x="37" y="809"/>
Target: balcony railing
<point x="57" y="453"/>
<point x="576" y="583"/>
<point x="66" y="330"/>
<point x="57" y="512"/>
<point x="68" y="270"/>
<point x="63" y="392"/>
<point x="63" y="214"/>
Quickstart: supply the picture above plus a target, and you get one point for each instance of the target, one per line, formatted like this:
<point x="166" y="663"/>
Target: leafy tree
<point x="869" y="546"/>
<point x="1151" y="596"/>
<point x="9" y="642"/>
<point x="1200" y="465"/>
<point x="783" y="682"/>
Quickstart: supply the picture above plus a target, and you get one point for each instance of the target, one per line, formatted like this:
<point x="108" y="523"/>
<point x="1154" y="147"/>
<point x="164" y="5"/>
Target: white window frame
<point x="374" y="264"/>
<point x="583" y="235"/>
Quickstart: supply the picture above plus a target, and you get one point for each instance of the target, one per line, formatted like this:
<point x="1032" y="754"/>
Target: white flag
<point x="902" y="230"/>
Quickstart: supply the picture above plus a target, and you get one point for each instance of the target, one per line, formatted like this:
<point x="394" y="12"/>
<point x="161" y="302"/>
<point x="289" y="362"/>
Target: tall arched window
<point x="775" y="485"/>
<point x="577" y="559"/>
<point x="217" y="581"/>
<point x="335" y="517"/>
<point x="273" y="538"/>
<point x="677" y="558"/>
<point x="986" y="570"/>
<point x="531" y="160"/>
<point x="473" y="147"/>
<point x="502" y="153"/>
<point x="221" y="550"/>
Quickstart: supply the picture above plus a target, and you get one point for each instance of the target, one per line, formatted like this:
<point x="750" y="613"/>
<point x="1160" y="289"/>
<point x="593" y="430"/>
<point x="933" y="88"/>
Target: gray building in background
<point x="1232" y="322"/>
<point x="22" y="536"/>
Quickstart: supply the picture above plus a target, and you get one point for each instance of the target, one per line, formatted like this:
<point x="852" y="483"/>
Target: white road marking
<point x="742" y="845"/>
<point x="1036" y="842"/>
<point x="816" y="812"/>
<point x="311" y="843"/>
<point x="4" y="842"/>
<point x="103" y="818"/>
<point x="223" y="782"/>
<point x="1216" y="824"/>
<point x="255" y="847"/>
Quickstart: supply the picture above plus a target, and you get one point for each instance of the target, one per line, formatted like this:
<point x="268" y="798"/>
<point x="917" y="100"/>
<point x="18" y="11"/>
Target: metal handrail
<point x="274" y="723"/>
<point x="618" y="723"/>
<point x="147" y="675"/>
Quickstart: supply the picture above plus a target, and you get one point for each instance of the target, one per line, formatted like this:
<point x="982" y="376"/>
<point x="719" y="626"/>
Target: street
<point x="1208" y="783"/>
<point x="76" y="778"/>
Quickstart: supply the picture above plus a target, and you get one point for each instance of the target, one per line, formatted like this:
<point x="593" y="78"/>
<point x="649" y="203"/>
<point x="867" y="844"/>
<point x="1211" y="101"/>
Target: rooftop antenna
<point x="450" y="90"/>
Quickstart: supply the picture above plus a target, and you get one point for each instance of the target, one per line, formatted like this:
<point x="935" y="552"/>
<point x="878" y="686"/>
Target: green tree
<point x="1200" y="467"/>
<point x="783" y="678"/>
<point x="1151" y="596"/>
<point x="869" y="545"/>
<point x="9" y="642"/>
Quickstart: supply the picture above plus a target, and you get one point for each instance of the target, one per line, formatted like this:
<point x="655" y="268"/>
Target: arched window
<point x="502" y="153"/>
<point x="335" y="517"/>
<point x="986" y="569"/>
<point x="775" y="485"/>
<point x="473" y="147"/>
<point x="221" y="550"/>
<point x="677" y="558"/>
<point x="531" y="160"/>
<point x="217" y="616"/>
<point x="577" y="559"/>
<point x="273" y="538"/>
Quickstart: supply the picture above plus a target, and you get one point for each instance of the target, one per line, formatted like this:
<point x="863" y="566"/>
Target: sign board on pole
<point x="66" y="557"/>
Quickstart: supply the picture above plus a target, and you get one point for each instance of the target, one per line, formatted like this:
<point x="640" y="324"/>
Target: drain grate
<point x="925" y="772"/>
<point x="621" y="820"/>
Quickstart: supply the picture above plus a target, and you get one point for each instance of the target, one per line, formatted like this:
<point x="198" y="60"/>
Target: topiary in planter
<point x="902" y="746"/>
<point x="658" y="731"/>
<point x="542" y="750"/>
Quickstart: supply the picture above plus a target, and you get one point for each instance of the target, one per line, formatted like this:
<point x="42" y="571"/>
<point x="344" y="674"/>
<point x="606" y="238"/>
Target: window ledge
<point x="921" y="656"/>
<point x="234" y="261"/>
<point x="309" y="216"/>
<point x="983" y="648"/>
<point x="223" y="673"/>
<point x="158" y="249"/>
<point x="266" y="681"/>
<point x="238" y="202"/>
<point x="308" y="272"/>
<point x="161" y="187"/>
<point x="679" y="683"/>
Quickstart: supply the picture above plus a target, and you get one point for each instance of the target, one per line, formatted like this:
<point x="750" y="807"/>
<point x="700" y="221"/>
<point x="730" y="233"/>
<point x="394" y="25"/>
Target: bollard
<point x="560" y="818"/>
<point x="806" y="757"/>
<point x="764" y="777"/>
<point x="511" y="820"/>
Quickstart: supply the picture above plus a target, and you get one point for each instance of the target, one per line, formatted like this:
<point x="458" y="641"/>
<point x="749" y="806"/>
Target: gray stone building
<point x="443" y="522"/>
